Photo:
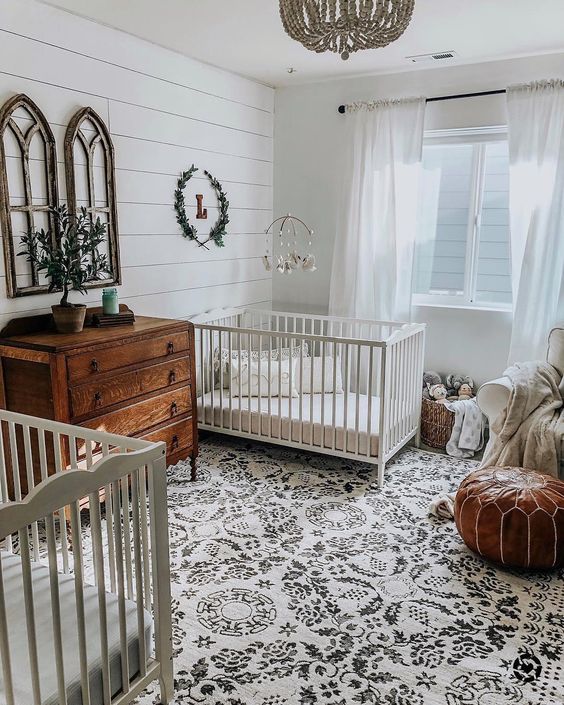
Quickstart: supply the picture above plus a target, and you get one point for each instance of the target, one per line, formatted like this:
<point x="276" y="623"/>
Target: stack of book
<point x="99" y="319"/>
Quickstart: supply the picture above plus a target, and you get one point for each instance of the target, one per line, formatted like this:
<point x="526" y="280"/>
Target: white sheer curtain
<point x="373" y="254"/>
<point x="536" y="155"/>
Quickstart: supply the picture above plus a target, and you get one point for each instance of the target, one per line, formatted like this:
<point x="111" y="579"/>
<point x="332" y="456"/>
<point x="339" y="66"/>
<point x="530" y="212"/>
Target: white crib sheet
<point x="214" y="415"/>
<point x="15" y="610"/>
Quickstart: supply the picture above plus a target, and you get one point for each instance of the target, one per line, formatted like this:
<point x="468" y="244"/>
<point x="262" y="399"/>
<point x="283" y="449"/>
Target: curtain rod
<point x="342" y="108"/>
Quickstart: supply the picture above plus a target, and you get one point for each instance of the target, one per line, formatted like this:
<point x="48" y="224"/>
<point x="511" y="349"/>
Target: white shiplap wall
<point x="164" y="112"/>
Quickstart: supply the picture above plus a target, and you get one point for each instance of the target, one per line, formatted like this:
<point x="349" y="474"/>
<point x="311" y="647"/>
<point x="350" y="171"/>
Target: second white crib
<point x="357" y="383"/>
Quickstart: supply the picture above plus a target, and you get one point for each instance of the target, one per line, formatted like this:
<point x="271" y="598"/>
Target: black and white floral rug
<point x="297" y="582"/>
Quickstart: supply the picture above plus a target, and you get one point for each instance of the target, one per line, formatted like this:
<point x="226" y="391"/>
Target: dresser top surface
<point x="51" y="341"/>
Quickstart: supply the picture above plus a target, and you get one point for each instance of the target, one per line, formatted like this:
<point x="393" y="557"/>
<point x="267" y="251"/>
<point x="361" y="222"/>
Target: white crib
<point x="84" y="565"/>
<point x="356" y="383"/>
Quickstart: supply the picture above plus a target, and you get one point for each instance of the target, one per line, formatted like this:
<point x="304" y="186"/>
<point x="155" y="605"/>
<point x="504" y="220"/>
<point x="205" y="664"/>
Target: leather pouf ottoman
<point x="512" y="516"/>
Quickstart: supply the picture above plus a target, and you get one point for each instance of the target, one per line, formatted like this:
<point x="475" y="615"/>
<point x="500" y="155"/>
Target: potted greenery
<point x="69" y="261"/>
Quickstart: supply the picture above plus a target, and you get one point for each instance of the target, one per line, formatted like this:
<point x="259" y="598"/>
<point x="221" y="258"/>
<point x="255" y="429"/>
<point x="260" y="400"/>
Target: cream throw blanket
<point x="529" y="430"/>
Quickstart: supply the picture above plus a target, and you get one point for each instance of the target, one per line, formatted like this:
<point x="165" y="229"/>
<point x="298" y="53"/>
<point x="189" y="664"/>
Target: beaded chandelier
<point x="345" y="26"/>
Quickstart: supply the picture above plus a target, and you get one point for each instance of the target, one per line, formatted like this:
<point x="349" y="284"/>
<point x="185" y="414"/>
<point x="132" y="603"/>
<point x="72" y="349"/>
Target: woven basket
<point x="436" y="424"/>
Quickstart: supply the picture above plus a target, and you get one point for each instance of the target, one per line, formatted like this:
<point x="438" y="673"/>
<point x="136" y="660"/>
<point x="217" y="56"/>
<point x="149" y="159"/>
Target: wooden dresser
<point x="133" y="380"/>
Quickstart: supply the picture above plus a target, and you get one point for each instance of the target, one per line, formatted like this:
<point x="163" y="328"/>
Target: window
<point x="462" y="253"/>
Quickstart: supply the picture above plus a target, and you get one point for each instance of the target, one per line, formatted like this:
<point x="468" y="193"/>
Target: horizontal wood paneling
<point x="165" y="112"/>
<point x="90" y="39"/>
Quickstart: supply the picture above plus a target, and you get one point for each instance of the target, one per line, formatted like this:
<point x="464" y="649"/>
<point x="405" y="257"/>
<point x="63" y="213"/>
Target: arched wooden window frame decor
<point x="40" y="125"/>
<point x="102" y="137"/>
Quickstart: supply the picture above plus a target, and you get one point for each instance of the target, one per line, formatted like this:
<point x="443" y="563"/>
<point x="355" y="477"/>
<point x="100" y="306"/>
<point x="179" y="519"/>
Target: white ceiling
<point x="246" y="36"/>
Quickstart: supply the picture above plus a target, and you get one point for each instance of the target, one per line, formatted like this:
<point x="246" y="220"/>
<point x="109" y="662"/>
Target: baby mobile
<point x="290" y="226"/>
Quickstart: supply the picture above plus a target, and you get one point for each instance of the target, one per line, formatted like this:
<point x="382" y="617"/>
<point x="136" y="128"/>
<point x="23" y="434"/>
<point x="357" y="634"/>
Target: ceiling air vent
<point x="430" y="58"/>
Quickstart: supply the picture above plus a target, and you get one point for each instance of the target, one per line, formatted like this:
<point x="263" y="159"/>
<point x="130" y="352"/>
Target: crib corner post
<point x="381" y="472"/>
<point x="161" y="576"/>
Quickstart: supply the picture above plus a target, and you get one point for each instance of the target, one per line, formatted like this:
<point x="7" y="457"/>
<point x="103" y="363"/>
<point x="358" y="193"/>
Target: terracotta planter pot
<point x="69" y="319"/>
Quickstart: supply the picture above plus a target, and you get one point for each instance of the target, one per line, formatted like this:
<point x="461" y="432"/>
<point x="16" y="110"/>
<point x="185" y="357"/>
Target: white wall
<point x="309" y="152"/>
<point x="165" y="112"/>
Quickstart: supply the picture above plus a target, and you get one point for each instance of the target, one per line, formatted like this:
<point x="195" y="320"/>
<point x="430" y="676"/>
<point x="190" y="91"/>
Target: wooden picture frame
<point x="29" y="208"/>
<point x="100" y="139"/>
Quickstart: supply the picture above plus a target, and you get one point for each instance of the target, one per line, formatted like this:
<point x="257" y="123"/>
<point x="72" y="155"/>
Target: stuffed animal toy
<point x="465" y="392"/>
<point x="430" y="378"/>
<point x="437" y="392"/>
<point x="454" y="382"/>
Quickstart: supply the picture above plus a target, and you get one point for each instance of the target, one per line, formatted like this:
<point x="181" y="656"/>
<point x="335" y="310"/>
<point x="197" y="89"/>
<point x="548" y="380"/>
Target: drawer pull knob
<point x="172" y="377"/>
<point x="94" y="365"/>
<point x="174" y="443"/>
<point x="97" y="398"/>
<point x="170" y="348"/>
<point x="173" y="408"/>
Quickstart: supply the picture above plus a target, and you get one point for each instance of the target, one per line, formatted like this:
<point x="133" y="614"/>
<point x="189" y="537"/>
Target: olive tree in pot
<point x="69" y="262"/>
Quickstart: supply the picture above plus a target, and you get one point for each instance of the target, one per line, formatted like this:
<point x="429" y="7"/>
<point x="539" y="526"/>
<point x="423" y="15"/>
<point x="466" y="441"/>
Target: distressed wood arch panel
<point x="88" y="134"/>
<point x="23" y="122"/>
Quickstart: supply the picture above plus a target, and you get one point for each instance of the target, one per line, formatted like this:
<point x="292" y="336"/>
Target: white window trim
<point x="478" y="135"/>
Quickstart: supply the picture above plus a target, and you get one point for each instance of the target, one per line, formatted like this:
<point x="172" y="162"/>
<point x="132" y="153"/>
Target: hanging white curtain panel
<point x="374" y="245"/>
<point x="536" y="154"/>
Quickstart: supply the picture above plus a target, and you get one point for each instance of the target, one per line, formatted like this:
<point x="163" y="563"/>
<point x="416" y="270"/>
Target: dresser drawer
<point x="88" y="365"/>
<point x="177" y="437"/>
<point x="137" y="418"/>
<point x="94" y="396"/>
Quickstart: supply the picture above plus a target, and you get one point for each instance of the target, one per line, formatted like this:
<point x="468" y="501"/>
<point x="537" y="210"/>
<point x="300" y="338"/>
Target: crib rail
<point x="92" y="516"/>
<point x="356" y="382"/>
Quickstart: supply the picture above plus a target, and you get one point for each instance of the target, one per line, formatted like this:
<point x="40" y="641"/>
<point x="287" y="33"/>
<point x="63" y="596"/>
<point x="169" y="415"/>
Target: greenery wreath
<point x="218" y="231"/>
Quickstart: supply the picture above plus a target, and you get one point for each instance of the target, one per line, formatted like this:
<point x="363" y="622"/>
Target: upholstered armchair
<point x="493" y="396"/>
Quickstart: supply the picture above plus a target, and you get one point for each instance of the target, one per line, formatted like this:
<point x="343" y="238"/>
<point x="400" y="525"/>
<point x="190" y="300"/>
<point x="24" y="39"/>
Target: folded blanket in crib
<point x="530" y="429"/>
<point x="467" y="435"/>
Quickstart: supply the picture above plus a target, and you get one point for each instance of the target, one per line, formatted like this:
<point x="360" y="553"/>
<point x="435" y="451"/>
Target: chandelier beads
<point x="345" y="26"/>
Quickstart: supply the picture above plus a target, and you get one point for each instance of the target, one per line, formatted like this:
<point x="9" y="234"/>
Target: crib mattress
<point x="15" y="610"/>
<point x="283" y="421"/>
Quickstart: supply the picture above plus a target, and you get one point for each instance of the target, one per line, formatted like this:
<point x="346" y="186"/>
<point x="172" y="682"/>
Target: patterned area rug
<point x="297" y="582"/>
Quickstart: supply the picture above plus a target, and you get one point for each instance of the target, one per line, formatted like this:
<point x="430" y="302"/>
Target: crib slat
<point x="322" y="426"/>
<point x="5" y="643"/>
<point x="311" y="397"/>
<point x="118" y="541"/>
<point x="8" y="546"/>
<point x="334" y="400"/>
<point x="230" y="375"/>
<point x="279" y="343"/>
<point x="259" y="403"/>
<point x="98" y="554"/>
<point x="30" y="615"/>
<point x="357" y="406"/>
<point x="76" y="535"/>
<point x="202" y="375"/>
<point x="301" y="390"/>
<point x="142" y="481"/>
<point x="62" y="519"/>
<point x="15" y="461"/>
<point x="30" y="486"/>
<point x="42" y="454"/>
<point x="127" y="535"/>
<point x="249" y="382"/>
<point x="369" y="392"/>
<point x="269" y="398"/>
<point x="211" y="376"/>
<point x="138" y="575"/>
<point x="109" y="505"/>
<point x="220" y="373"/>
<point x="56" y="607"/>
<point x="346" y="400"/>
